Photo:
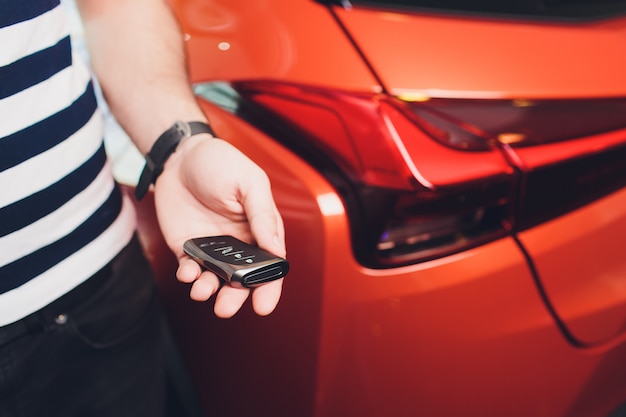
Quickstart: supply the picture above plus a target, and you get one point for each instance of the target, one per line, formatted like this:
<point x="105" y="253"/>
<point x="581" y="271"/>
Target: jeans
<point x="101" y="356"/>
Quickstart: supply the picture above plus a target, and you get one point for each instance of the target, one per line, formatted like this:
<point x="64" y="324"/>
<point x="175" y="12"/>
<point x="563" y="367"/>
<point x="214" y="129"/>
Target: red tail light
<point x="420" y="180"/>
<point x="520" y="122"/>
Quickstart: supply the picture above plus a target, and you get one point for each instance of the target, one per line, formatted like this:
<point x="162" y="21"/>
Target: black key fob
<point x="236" y="262"/>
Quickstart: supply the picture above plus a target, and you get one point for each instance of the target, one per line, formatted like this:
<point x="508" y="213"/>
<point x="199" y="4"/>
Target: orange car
<point x="452" y="179"/>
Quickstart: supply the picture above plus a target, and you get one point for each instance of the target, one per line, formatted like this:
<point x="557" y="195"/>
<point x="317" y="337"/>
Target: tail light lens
<point x="420" y="179"/>
<point x="521" y="123"/>
<point x="431" y="224"/>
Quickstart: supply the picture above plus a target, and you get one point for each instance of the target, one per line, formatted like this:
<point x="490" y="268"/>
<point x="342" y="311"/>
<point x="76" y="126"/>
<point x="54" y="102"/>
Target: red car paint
<point x="528" y="321"/>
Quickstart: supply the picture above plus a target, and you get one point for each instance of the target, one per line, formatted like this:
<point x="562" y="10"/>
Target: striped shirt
<point x="62" y="218"/>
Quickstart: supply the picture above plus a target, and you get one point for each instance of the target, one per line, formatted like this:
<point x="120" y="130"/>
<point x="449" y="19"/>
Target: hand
<point x="209" y="188"/>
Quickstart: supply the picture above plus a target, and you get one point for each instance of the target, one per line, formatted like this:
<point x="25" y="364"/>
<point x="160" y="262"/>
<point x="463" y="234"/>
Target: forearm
<point x="137" y="53"/>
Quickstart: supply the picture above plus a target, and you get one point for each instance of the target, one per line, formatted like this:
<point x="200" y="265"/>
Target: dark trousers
<point x="97" y="351"/>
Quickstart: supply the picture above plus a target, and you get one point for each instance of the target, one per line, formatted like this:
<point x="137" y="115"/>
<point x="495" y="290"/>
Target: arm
<point x="136" y="50"/>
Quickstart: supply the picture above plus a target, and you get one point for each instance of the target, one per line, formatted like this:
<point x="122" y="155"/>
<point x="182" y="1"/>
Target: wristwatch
<point x="164" y="146"/>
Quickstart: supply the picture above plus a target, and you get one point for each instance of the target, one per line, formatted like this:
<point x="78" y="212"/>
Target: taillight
<point x="416" y="184"/>
<point x="518" y="123"/>
<point x="427" y="225"/>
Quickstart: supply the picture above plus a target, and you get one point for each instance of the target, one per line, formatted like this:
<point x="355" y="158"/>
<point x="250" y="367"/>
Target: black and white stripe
<point x="61" y="216"/>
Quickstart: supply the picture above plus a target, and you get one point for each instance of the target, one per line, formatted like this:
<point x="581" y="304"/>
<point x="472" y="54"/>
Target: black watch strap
<point x="164" y="146"/>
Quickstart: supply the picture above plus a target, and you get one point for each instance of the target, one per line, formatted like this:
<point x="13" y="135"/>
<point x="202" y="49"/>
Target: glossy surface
<point x="241" y="39"/>
<point x="473" y="57"/>
<point x="529" y="324"/>
<point x="583" y="276"/>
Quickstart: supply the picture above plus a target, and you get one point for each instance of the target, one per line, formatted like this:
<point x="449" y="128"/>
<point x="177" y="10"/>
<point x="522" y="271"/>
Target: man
<point x="79" y="326"/>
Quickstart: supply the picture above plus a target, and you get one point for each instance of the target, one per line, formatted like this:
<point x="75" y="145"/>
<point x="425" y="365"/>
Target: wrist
<point x="165" y="145"/>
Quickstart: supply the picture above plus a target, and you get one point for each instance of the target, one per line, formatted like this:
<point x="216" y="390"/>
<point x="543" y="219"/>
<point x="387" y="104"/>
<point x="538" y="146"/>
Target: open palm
<point x="210" y="188"/>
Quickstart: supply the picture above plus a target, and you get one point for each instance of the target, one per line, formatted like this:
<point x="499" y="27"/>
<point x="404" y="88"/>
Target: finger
<point x="204" y="287"/>
<point x="265" y="297"/>
<point x="229" y="300"/>
<point x="188" y="270"/>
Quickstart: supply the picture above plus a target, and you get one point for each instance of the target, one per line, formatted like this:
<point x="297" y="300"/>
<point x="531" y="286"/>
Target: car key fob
<point x="236" y="262"/>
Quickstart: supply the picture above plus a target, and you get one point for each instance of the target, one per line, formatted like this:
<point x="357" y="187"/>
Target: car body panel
<point x="260" y="39"/>
<point x="583" y="276"/>
<point x="581" y="268"/>
<point x="531" y="324"/>
<point x="455" y="56"/>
